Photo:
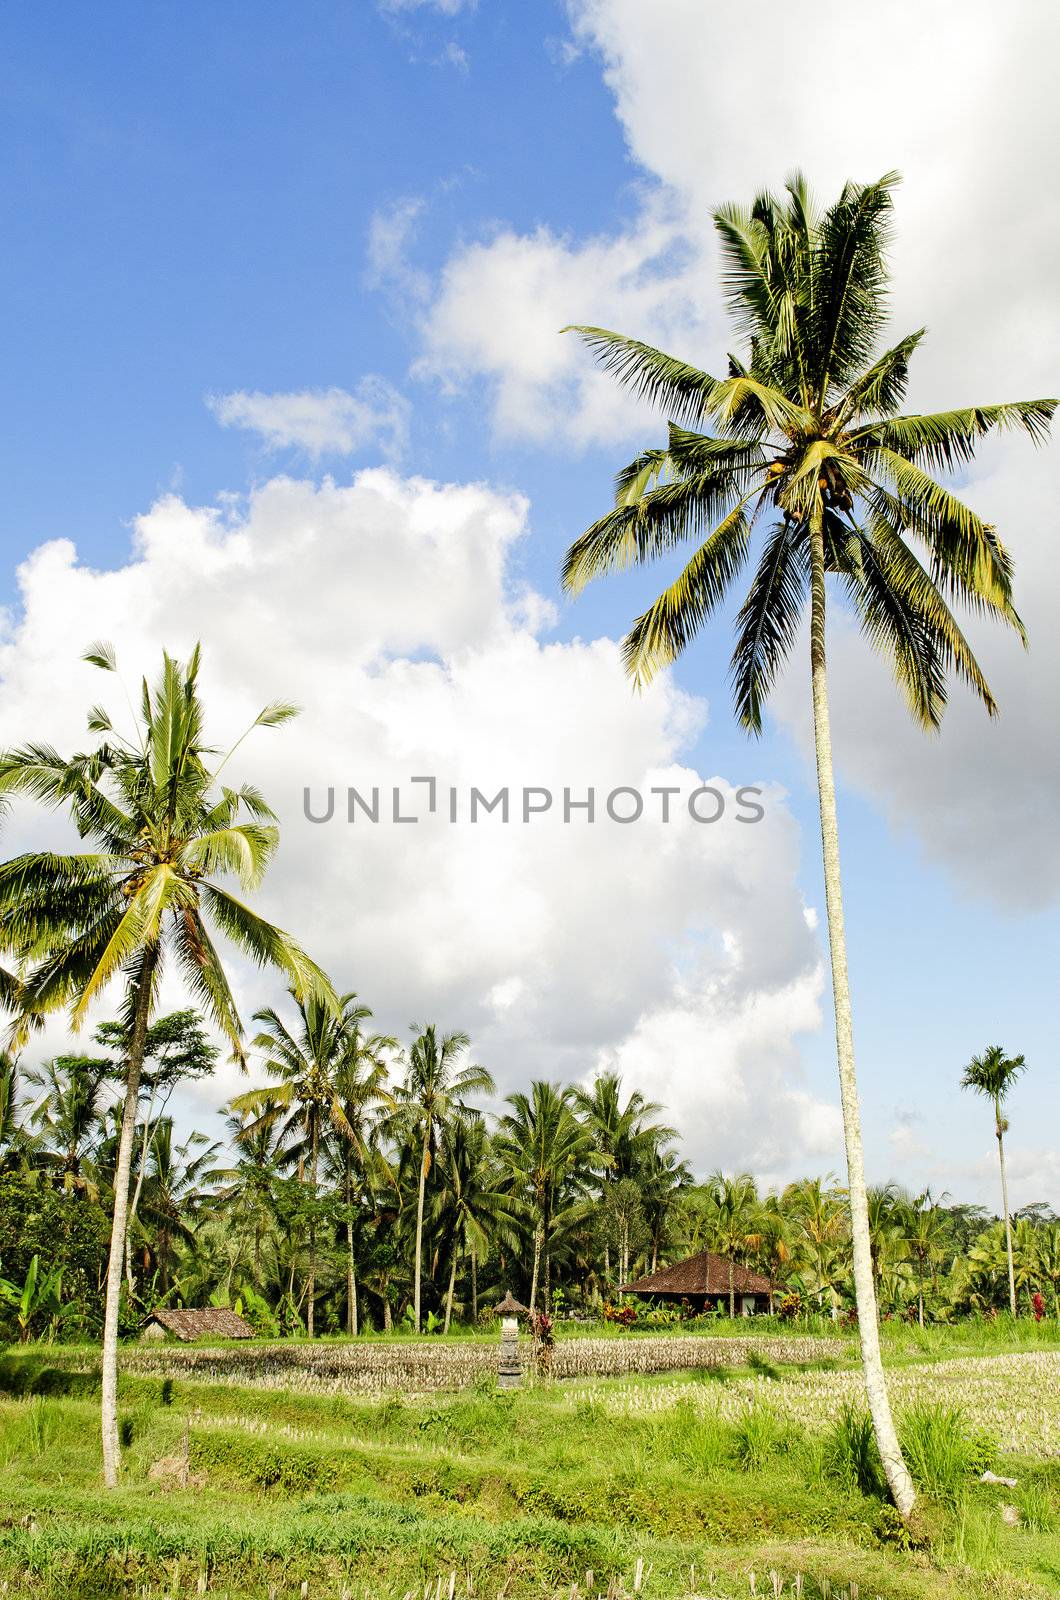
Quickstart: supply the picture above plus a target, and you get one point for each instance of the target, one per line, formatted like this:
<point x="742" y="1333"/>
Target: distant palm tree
<point x="548" y="1156"/>
<point x="473" y="1211"/>
<point x="178" y="1175"/>
<point x="13" y="1136"/>
<point x="354" y="1156"/>
<point x="437" y="1084"/>
<point x="992" y="1075"/>
<point x="165" y="831"/>
<point x="805" y="430"/>
<point x="307" y="1099"/>
<point x="69" y="1115"/>
<point x="248" y="1191"/>
<point x="927" y="1233"/>
<point x="624" y="1136"/>
<point x="737" y="1225"/>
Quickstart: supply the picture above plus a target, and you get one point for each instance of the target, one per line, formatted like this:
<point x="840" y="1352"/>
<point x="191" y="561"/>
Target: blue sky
<point x="198" y="202"/>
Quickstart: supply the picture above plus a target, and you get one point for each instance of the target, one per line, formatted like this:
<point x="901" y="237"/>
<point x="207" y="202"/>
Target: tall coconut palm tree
<point x="438" y="1082"/>
<point x="804" y="434"/>
<point x="308" y="1096"/>
<point x="624" y="1135"/>
<point x="165" y="833"/>
<point x="992" y="1075"/>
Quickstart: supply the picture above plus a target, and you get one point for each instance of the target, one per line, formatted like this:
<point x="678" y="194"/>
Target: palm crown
<point x="806" y="433"/>
<point x="992" y="1075"/>
<point x="165" y="830"/>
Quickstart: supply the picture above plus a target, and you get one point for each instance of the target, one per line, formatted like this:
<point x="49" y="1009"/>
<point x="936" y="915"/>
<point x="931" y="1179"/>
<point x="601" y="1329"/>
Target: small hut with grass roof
<point x="707" y="1281"/>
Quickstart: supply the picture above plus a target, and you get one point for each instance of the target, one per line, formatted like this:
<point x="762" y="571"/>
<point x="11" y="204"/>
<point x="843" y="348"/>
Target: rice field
<point x="1015" y="1398"/>
<point x="661" y="1485"/>
<point x="424" y="1366"/>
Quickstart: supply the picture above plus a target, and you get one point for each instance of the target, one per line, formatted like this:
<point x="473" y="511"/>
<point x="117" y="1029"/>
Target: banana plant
<point x="37" y="1296"/>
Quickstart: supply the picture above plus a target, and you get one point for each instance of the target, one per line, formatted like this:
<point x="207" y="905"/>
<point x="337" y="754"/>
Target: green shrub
<point x="849" y="1453"/>
<point x="758" y="1435"/>
<point x="941" y="1451"/>
<point x="700" y="1445"/>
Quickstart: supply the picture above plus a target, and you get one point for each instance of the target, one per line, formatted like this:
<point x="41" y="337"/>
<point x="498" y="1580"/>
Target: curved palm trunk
<point x="474" y="1287"/>
<point x="898" y="1479"/>
<point x="732" y="1292"/>
<point x="419" y="1232"/>
<point x="1004" y="1203"/>
<point x="116" y="1257"/>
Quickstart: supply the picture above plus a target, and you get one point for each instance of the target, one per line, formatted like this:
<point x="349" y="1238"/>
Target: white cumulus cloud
<point x="385" y="607"/>
<point x="321" y="421"/>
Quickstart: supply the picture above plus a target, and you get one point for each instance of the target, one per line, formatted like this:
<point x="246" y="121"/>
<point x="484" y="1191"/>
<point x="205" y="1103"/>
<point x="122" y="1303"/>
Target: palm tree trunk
<point x="115" y="1259"/>
<point x="898" y="1479"/>
<point x="1008" y="1220"/>
<point x="449" y="1294"/>
<point x="419" y="1231"/>
<point x="537" y="1262"/>
<point x="311" y="1285"/>
<point x="732" y="1293"/>
<point x="474" y="1288"/>
<point x="135" y="1202"/>
<point x="351" y="1273"/>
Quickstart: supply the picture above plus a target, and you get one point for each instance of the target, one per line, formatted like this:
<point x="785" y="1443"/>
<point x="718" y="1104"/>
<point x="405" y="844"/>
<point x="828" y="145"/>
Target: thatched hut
<point x="213" y="1322"/>
<point x="706" y="1280"/>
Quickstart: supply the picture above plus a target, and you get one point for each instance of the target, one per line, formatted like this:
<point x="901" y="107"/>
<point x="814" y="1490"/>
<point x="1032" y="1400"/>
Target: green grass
<point x="520" y="1495"/>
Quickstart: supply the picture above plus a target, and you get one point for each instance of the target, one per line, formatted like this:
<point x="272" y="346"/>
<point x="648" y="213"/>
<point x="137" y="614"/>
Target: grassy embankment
<point x="700" y="1481"/>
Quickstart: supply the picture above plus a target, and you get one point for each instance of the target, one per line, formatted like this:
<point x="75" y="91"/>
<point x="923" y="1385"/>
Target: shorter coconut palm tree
<point x="992" y="1075"/>
<point x="308" y="1098"/>
<point x="438" y="1082"/>
<point x="546" y="1157"/>
<point x="167" y="835"/>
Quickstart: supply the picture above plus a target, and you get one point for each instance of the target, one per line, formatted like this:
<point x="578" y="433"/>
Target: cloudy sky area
<point x="283" y="373"/>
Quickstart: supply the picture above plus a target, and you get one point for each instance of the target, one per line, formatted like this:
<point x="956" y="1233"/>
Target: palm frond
<point x="670" y="623"/>
<point x="767" y="621"/>
<point x="674" y="387"/>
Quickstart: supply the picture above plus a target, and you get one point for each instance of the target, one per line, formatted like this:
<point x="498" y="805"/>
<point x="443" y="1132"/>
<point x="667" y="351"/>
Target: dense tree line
<point x="364" y="1186"/>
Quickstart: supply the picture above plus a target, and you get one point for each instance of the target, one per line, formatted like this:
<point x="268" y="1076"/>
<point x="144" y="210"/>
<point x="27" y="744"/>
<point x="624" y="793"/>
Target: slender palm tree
<point x="474" y="1212"/>
<point x="165" y="832"/>
<point x="804" y="434"/>
<point x="624" y="1135"/>
<point x="736" y="1220"/>
<point x="355" y="1157"/>
<point x="992" y="1075"/>
<point x="308" y="1098"/>
<point x="438" y="1082"/>
<point x="927" y="1235"/>
<point x="548" y="1157"/>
